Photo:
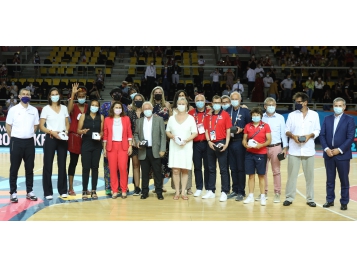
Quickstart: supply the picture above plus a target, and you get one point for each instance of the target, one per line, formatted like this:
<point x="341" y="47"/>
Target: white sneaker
<point x="249" y="199"/>
<point x="197" y="193"/>
<point x="223" y="197"/>
<point x="258" y="197"/>
<point x="64" y="195"/>
<point x="49" y="197"/>
<point x="209" y="194"/>
<point x="263" y="201"/>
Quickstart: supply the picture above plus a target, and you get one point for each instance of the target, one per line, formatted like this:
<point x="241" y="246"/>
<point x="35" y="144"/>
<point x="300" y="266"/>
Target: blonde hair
<point x="152" y="99"/>
<point x="133" y="107"/>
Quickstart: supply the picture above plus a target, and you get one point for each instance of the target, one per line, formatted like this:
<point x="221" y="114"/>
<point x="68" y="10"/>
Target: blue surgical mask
<point x="133" y="95"/>
<point x="94" y="109"/>
<point x="216" y="106"/>
<point x="337" y="110"/>
<point x="255" y="119"/>
<point x="25" y="99"/>
<point x="235" y="103"/>
<point x="200" y="104"/>
<point x="225" y="106"/>
<point x="271" y="109"/>
<point x="81" y="101"/>
<point x="55" y="98"/>
<point x="148" y="113"/>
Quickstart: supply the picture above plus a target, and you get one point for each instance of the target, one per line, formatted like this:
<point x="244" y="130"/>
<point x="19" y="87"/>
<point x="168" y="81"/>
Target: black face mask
<point x="158" y="96"/>
<point x="138" y="104"/>
<point x="116" y="96"/>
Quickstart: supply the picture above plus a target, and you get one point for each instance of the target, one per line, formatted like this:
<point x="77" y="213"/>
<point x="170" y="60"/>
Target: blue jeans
<point x="199" y="154"/>
<point x="309" y="93"/>
<point x="213" y="156"/>
<point x="236" y="154"/>
<point x="273" y="96"/>
<point x="287" y="95"/>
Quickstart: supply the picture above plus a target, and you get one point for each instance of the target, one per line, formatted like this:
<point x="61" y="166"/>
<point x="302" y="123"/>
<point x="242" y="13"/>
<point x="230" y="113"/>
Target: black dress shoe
<point x="287" y="203"/>
<point x="160" y="197"/>
<point x="311" y="204"/>
<point x="144" y="196"/>
<point x="328" y="204"/>
<point x="343" y="207"/>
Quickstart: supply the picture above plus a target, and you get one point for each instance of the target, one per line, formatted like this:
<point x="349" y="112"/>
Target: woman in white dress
<point x="181" y="130"/>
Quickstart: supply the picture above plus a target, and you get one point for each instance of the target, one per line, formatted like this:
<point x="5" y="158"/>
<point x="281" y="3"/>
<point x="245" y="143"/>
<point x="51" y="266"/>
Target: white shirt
<point x="55" y="121"/>
<point x="300" y="126"/>
<point x="148" y="130"/>
<point x="251" y="75"/>
<point x="117" y="129"/>
<point x="201" y="62"/>
<point x="276" y="123"/>
<point x="238" y="87"/>
<point x="31" y="89"/>
<point x="319" y="86"/>
<point x="11" y="104"/>
<point x="287" y="83"/>
<point x="266" y="80"/>
<point x="150" y="71"/>
<point x="335" y="123"/>
<point x="22" y="121"/>
<point x="259" y="71"/>
<point x="215" y="76"/>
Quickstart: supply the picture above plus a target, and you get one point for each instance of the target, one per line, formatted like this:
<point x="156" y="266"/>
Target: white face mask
<point x="181" y="107"/>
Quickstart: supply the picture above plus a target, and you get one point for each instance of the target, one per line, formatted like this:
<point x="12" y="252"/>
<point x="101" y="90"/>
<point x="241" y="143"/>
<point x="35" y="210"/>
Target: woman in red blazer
<point x="117" y="146"/>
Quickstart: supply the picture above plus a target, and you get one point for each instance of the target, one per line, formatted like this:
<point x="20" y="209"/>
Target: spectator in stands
<point x="268" y="80"/>
<point x="340" y="55"/>
<point x="287" y="86"/>
<point x="158" y="51"/>
<point x="3" y="72"/>
<point x="220" y="63"/>
<point x="238" y="86"/>
<point x="309" y="88"/>
<point x="166" y="76"/>
<point x="229" y="77"/>
<point x="347" y="94"/>
<point x="327" y="99"/>
<point x="215" y="81"/>
<point x="100" y="80"/>
<point x="227" y="91"/>
<point x="13" y="89"/>
<point x="319" y="93"/>
<point x="94" y="93"/>
<point x="238" y="64"/>
<point x="150" y="76"/>
<point x="176" y="71"/>
<point x="36" y="61"/>
<point x="350" y="77"/>
<point x="258" y="90"/>
<point x="349" y="59"/>
<point x="267" y="63"/>
<point x="273" y="90"/>
<point x="252" y="63"/>
<point x="11" y="102"/>
<point x="251" y="80"/>
<point x="17" y="69"/>
<point x="201" y="63"/>
<point x="259" y="70"/>
<point x="4" y="95"/>
<point x="33" y="91"/>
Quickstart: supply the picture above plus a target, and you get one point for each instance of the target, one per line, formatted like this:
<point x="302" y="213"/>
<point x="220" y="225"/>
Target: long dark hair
<point x="49" y="96"/>
<point x="90" y="104"/>
<point x="174" y="103"/>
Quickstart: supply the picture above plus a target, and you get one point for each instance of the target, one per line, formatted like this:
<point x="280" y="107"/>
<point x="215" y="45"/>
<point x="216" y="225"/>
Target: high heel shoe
<point x="94" y="194"/>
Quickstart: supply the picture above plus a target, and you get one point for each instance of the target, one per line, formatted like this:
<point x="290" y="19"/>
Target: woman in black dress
<point x="136" y="113"/>
<point x="90" y="126"/>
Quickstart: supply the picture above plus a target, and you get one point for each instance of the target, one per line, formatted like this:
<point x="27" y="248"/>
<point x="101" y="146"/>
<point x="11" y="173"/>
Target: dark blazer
<point x="168" y="75"/>
<point x="108" y="132"/>
<point x="158" y="136"/>
<point x="344" y="135"/>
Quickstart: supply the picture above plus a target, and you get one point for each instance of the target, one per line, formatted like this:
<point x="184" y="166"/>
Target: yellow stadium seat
<point x="88" y="54"/>
<point x="77" y="54"/>
<point x="52" y="71"/>
<point x="39" y="80"/>
<point x="43" y="71"/>
<point x="137" y="81"/>
<point x="112" y="54"/>
<point x="55" y="82"/>
<point x="49" y="81"/>
<point x="334" y="74"/>
<point x="206" y="82"/>
<point x="186" y="71"/>
<point x="330" y="84"/>
<point x="131" y="71"/>
<point x="22" y="80"/>
<point x="30" y="80"/>
<point x="188" y="82"/>
<point x="108" y="72"/>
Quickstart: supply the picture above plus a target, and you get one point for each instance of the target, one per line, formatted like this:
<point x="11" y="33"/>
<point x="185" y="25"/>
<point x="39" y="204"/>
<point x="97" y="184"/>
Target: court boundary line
<point x="348" y="217"/>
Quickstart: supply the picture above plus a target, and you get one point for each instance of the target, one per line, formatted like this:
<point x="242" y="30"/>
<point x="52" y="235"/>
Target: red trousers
<point x="118" y="160"/>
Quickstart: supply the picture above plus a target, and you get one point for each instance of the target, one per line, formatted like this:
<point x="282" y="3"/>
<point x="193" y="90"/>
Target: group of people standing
<point x="163" y="139"/>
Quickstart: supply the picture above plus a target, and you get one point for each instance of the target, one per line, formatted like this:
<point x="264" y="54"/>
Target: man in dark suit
<point x="150" y="137"/>
<point x="166" y="76"/>
<point x="336" y="137"/>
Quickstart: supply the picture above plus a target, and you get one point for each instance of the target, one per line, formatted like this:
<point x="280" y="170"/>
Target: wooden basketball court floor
<point x="152" y="209"/>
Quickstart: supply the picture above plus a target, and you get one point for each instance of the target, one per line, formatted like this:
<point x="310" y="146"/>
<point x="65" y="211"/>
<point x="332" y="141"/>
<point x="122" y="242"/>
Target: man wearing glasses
<point x="302" y="127"/>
